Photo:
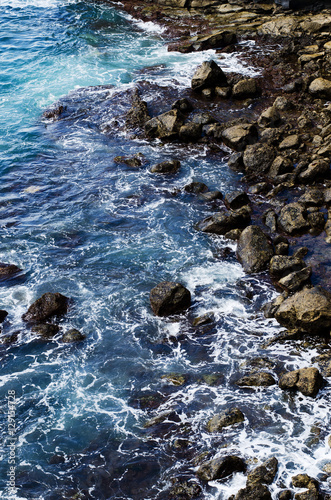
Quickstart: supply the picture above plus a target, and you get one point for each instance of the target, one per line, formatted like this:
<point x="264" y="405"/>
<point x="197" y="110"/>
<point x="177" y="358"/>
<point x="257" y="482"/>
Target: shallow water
<point x="104" y="234"/>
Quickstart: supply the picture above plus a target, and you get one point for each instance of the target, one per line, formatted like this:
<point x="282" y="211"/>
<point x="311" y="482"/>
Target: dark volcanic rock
<point x="236" y="199"/>
<point x="308" y="310"/>
<point x="264" y="473"/>
<point x="223" y="222"/>
<point x="227" y="417"/>
<point x="47" y="306"/>
<point x="254" y="249"/>
<point x="292" y="218"/>
<point x="306" y="380"/>
<point x="72" y="335"/>
<point x="238" y="137"/>
<point x="261" y="379"/>
<point x="166" y="167"/>
<point x="165" y="126"/>
<point x="8" y="271"/>
<point x="219" y="468"/>
<point x="253" y="492"/>
<point x="208" y="75"/>
<point x="169" y="298"/>
<point x="45" y="330"/>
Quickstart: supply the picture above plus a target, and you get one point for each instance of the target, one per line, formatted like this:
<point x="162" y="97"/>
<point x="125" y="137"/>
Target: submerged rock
<point x="169" y="298"/>
<point x="46" y="307"/>
<point x="166" y="167"/>
<point x="225" y="419"/>
<point x="254" y="249"/>
<point x="218" y="468"/>
<point x="46" y="330"/>
<point x="308" y="381"/>
<point x="209" y="74"/>
<point x="72" y="335"/>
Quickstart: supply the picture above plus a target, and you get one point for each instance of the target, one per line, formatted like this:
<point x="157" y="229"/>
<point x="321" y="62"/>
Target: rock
<point x="208" y="75"/>
<point x="270" y="220"/>
<point x="132" y="161"/>
<point x="285" y="495"/>
<point x="308" y="381"/>
<point x="138" y="114"/>
<point x="296" y="280"/>
<point x="254" y="249"/>
<point x="225" y="419"/>
<point x="174" y="379"/>
<point x="316" y="169"/>
<point x="204" y="118"/>
<point x="283" y="104"/>
<point x="281" y="249"/>
<point x="166" y="167"/>
<point x="169" y="298"/>
<point x="234" y="234"/>
<point x="212" y="195"/>
<point x="290" y="142"/>
<point x="190" y="132"/>
<point x="320" y="88"/>
<point x="205" y="319"/>
<point x="316" y="221"/>
<point x="46" y="307"/>
<point x="165" y="126"/>
<point x="7" y="271"/>
<point x="8" y="339"/>
<point x="280" y="166"/>
<point x="218" y="468"/>
<point x="270" y="308"/>
<point x="264" y="473"/>
<point x="282" y="265"/>
<point x="184" y="105"/>
<point x="324" y="363"/>
<point x="224" y="92"/>
<point x="245" y="88"/>
<point x="72" y="335"/>
<point x="253" y="492"/>
<point x="291" y="219"/>
<point x="312" y="197"/>
<point x="239" y="136"/>
<point x="305" y="481"/>
<point x="269" y="118"/>
<point x="184" y="490"/>
<point x="3" y="315"/>
<point x="283" y="26"/>
<point x="260" y="379"/>
<point x="308" y="310"/>
<point x="222" y="222"/>
<point x="236" y="162"/>
<point x="46" y="330"/>
<point x="236" y="199"/>
<point x="218" y="39"/>
<point x="258" y="158"/>
<point x="196" y="188"/>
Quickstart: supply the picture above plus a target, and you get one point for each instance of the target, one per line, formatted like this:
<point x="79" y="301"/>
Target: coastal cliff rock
<point x="169" y="298"/>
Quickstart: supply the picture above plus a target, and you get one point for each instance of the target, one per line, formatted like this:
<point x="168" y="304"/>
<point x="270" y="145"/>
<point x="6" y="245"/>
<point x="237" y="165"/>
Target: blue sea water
<point x="104" y="234"/>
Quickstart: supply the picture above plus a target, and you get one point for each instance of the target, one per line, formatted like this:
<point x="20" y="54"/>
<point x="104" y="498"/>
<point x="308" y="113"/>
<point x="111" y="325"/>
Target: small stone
<point x="184" y="105"/>
<point x="264" y="473"/>
<point x="212" y="195"/>
<point x="196" y="188"/>
<point x="245" y="88"/>
<point x="224" y="92"/>
<point x="320" y="88"/>
<point x="269" y="118"/>
<point x="238" y="137"/>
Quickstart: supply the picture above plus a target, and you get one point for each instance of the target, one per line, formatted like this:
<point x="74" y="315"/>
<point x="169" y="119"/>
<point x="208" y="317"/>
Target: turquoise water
<point x="104" y="234"/>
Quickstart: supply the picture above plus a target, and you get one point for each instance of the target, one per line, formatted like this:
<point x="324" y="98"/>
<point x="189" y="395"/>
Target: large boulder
<point x="169" y="298"/>
<point x="308" y="310"/>
<point x="208" y="75"/>
<point x="165" y="126"/>
<point x="258" y="159"/>
<point x="317" y="169"/>
<point x="308" y="381"/>
<point x="218" y="468"/>
<point x="46" y="307"/>
<point x="253" y="492"/>
<point x="245" y="88"/>
<point x="238" y="137"/>
<point x="228" y="417"/>
<point x="292" y="219"/>
<point x="223" y="222"/>
<point x="254" y="249"/>
<point x="264" y="473"/>
<point x="320" y="88"/>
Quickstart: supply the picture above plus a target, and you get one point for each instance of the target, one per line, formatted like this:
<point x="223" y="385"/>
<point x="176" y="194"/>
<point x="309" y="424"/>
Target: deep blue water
<point x="104" y="234"/>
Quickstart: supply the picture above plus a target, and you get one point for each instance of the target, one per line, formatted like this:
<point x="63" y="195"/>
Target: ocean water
<point x="104" y="234"/>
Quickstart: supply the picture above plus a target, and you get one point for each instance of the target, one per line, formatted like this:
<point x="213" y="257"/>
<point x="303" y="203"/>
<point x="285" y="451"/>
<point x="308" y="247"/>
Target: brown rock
<point x="222" y="222"/>
<point x="240" y="136"/>
<point x="219" y="468"/>
<point x="320" y="88"/>
<point x="169" y="298"/>
<point x="166" y="167"/>
<point x="208" y="75"/>
<point x="46" y="307"/>
<point x="308" y="381"/>
<point x="225" y="419"/>
<point x="254" y="249"/>
<point x="165" y="126"/>
<point x="260" y="379"/>
<point x="291" y="218"/>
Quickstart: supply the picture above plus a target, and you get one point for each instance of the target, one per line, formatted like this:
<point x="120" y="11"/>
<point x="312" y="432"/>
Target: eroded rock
<point x="308" y="381"/>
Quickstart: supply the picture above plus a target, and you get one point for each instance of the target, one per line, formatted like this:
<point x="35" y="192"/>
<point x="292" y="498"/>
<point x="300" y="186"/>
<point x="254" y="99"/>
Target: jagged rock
<point x="7" y="271"/>
<point x="320" y="88"/>
<point x="316" y="169"/>
<point x="254" y="249"/>
<point x="291" y="218"/>
<point x="270" y="220"/>
<point x="290" y="142"/>
<point x="217" y="39"/>
<point x="236" y="199"/>
<point x="222" y="222"/>
<point x="204" y="118"/>
<point x="309" y="310"/>
<point x="316" y="221"/>
<point x="8" y="339"/>
<point x="196" y="188"/>
<point x="264" y="473"/>
<point x="169" y="298"/>
<point x="269" y="118"/>
<point x="46" y="307"/>
<point x="208" y="75"/>
<point x="132" y="161"/>
<point x="138" y="114"/>
<point x="305" y="481"/>
<point x="165" y="126"/>
<point x="308" y="381"/>
<point x="218" y="468"/>
<point x="174" y="379"/>
<point x="234" y="234"/>
<point x="253" y="492"/>
<point x="258" y="158"/>
<point x="72" y="335"/>
<point x="212" y="195"/>
<point x="205" y="319"/>
<point x="238" y="137"/>
<point x="285" y="495"/>
<point x="3" y="315"/>
<point x="46" y="330"/>
<point x="324" y="363"/>
<point x="296" y="280"/>
<point x="184" y="490"/>
<point x="166" y="167"/>
<point x="270" y="308"/>
<point x="245" y="88"/>
<point x="236" y="162"/>
<point x="312" y="197"/>
<point x="225" y="419"/>
<point x="184" y="105"/>
<point x="282" y="265"/>
<point x="260" y="379"/>
<point x="190" y="132"/>
<point x="280" y="166"/>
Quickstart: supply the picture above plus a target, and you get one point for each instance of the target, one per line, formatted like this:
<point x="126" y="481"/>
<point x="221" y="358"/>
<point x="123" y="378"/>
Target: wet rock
<point x="174" y="379"/>
<point x="72" y="335"/>
<point x="218" y="468"/>
<point x="259" y="188"/>
<point x="132" y="161"/>
<point x="238" y="137"/>
<point x="222" y="222"/>
<point x="236" y="199"/>
<point x="269" y="118"/>
<point x="166" y="416"/>
<point x="190" y="132"/>
<point x="290" y="142"/>
<point x="316" y="221"/>
<point x="258" y="158"/>
<point x="204" y="118"/>
<point x="166" y="167"/>
<point x="212" y="195"/>
<point x="312" y="197"/>
<point x="54" y="112"/>
<point x="205" y="319"/>
<point x="305" y="481"/>
<point x="308" y="381"/>
<point x="282" y="265"/>
<point x="309" y="310"/>
<point x="184" y="490"/>
<point x="324" y="363"/>
<point x="3" y="315"/>
<point x="270" y="308"/>
<point x="196" y="188"/>
<point x="56" y="459"/>
<point x="165" y="126"/>
<point x="253" y="492"/>
<point x="283" y="104"/>
<point x="280" y="166"/>
<point x="296" y="280"/>
<point x="236" y="162"/>
<point x="45" y="330"/>
<point x="285" y="495"/>
<point x="245" y="88"/>
<point x="281" y="248"/>
<point x="270" y="220"/>
<point x="317" y="169"/>
<point x="46" y="307"/>
<point x="184" y="105"/>
<point x="292" y="219"/>
<point x="7" y="271"/>
<point x="264" y="473"/>
<point x="218" y="39"/>
<point x="169" y="298"/>
<point x="138" y="114"/>
<point x="320" y="88"/>
<point x="254" y="249"/>
<point x="234" y="234"/>
<point x="225" y="419"/>
<point x="8" y="339"/>
<point x="223" y="92"/>
<point x="208" y="75"/>
<point x="260" y="379"/>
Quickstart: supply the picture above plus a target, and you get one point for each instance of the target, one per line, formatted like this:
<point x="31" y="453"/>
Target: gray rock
<point x="166" y="167"/>
<point x="308" y="381"/>
<point x="290" y="142"/>
<point x="254" y="249"/>
<point x="219" y="468"/>
<point x="169" y="298"/>
<point x="238" y="137"/>
<point x="138" y="114"/>
<point x="222" y="222"/>
<point x="196" y="188"/>
<point x="225" y="419"/>
<point x="296" y="280"/>
<point x="292" y="219"/>
<point x="236" y="199"/>
<point x="208" y="75"/>
<point x="46" y="307"/>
